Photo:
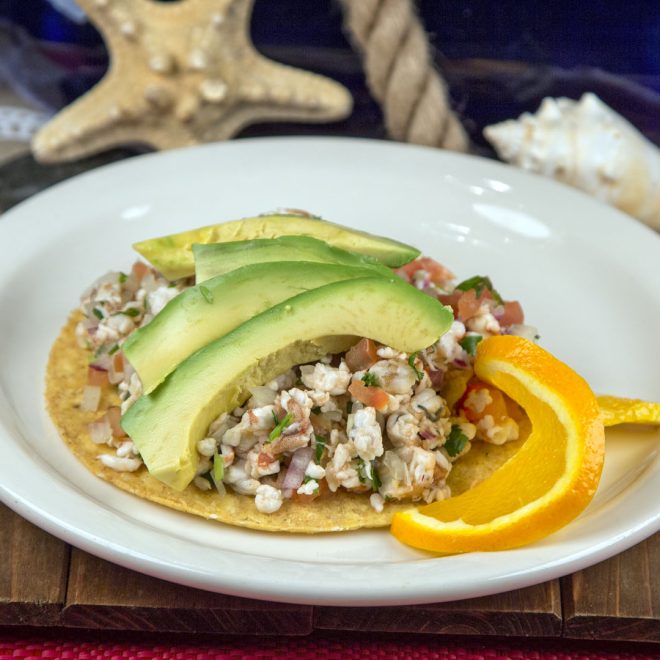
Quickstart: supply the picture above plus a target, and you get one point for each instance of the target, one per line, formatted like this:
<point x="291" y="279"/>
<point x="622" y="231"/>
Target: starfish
<point x="180" y="74"/>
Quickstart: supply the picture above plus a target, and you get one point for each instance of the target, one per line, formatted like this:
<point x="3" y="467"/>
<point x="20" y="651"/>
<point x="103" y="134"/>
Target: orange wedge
<point x="546" y="484"/>
<point x="616" y="410"/>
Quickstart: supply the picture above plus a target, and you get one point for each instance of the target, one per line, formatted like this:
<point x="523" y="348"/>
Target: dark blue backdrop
<point x="500" y="57"/>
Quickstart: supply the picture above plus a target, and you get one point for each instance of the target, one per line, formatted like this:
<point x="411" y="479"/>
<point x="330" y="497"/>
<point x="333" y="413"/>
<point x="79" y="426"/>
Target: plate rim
<point x="122" y="554"/>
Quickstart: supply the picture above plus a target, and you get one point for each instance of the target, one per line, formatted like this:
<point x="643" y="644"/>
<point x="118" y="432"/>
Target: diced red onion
<point x="91" y="398"/>
<point x="296" y="471"/>
<point x="498" y="312"/>
<point x="459" y="362"/>
<point x="437" y="377"/>
<point x="426" y="435"/>
<point x="103" y="362"/>
<point x="287" y="493"/>
<point x="100" y="431"/>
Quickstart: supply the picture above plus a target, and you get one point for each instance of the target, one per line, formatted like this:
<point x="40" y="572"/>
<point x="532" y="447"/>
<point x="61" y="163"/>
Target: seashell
<point x="589" y="146"/>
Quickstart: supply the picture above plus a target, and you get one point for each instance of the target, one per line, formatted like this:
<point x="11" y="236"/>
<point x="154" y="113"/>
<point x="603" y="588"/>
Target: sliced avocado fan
<point x="166" y="424"/>
<point x="172" y="254"/>
<point x="213" y="259"/>
<point x="208" y="311"/>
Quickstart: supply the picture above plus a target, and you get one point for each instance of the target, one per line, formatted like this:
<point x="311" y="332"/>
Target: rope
<point x="401" y="75"/>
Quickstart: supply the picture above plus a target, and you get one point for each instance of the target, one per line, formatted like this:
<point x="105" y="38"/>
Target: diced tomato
<point x="375" y="397"/>
<point x="113" y="416"/>
<point x="437" y="272"/>
<point x="362" y="355"/>
<point x="140" y="270"/>
<point x="264" y="459"/>
<point x="513" y="314"/>
<point x="118" y="363"/>
<point x="97" y="377"/>
<point x="451" y="299"/>
<point x="468" y="304"/>
<point x="497" y="408"/>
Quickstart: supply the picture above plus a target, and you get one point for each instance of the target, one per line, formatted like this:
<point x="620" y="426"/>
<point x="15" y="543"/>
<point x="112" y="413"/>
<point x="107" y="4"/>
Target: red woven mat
<point x="323" y="648"/>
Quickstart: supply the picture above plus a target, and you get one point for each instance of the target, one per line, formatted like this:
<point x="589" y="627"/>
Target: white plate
<point x="586" y="274"/>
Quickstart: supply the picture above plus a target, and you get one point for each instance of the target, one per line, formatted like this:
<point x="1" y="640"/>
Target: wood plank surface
<point x="618" y="599"/>
<point x="103" y="595"/>
<point x="531" y="612"/>
<point x="33" y="573"/>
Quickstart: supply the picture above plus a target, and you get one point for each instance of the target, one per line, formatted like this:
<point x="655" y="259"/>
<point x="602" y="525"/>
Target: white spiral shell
<point x="589" y="146"/>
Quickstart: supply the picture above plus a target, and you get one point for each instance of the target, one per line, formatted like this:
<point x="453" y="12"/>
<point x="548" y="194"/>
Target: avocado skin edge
<point x="166" y="424"/>
<point x="212" y="259"/>
<point x="172" y="254"/>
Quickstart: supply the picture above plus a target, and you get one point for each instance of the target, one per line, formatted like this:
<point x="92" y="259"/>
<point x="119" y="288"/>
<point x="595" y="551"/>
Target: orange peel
<point x="546" y="484"/>
<point x="617" y="410"/>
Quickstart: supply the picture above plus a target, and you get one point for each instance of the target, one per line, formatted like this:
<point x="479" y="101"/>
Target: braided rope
<point x="401" y="75"/>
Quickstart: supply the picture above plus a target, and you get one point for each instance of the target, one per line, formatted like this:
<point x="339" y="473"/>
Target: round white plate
<point x="586" y="274"/>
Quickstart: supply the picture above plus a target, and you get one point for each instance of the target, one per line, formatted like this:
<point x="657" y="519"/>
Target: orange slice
<point x="616" y="410"/>
<point x="546" y="484"/>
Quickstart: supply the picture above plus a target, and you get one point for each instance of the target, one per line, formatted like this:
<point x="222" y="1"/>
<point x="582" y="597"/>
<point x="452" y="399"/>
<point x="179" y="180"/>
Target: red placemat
<point x="323" y="648"/>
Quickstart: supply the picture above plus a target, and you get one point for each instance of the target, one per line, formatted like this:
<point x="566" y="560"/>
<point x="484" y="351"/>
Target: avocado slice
<point x="213" y="259"/>
<point x="172" y="255"/>
<point x="205" y="312"/>
<point x="166" y="424"/>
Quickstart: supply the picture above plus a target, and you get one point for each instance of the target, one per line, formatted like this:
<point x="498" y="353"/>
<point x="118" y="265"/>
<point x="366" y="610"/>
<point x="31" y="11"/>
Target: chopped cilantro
<point x="469" y="343"/>
<point x="131" y="311"/>
<point x="206" y="293"/>
<point x="113" y="349"/>
<point x="319" y="445"/>
<point x="479" y="283"/>
<point x="429" y="414"/>
<point x="362" y="471"/>
<point x="98" y="313"/>
<point x="375" y="481"/>
<point x="411" y="362"/>
<point x="370" y="379"/>
<point x="316" y="410"/>
<point x="218" y="468"/>
<point x="367" y="474"/>
<point x="122" y="278"/>
<point x="281" y="425"/>
<point x="456" y="441"/>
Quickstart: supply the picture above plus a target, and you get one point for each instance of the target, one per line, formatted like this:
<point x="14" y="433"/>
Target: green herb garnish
<point x="281" y="425"/>
<point x="469" y="343"/>
<point x="218" y="468"/>
<point x="375" y="481"/>
<point x="411" y="361"/>
<point x="429" y="414"/>
<point x="122" y="278"/>
<point x="113" y="349"/>
<point x="479" y="283"/>
<point x="370" y="379"/>
<point x="131" y="311"/>
<point x="98" y="313"/>
<point x="456" y="441"/>
<point x="206" y="293"/>
<point x="367" y="473"/>
<point x="319" y="445"/>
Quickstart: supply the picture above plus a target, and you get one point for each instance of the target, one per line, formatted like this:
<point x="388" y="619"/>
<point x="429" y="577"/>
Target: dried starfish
<point x="180" y="74"/>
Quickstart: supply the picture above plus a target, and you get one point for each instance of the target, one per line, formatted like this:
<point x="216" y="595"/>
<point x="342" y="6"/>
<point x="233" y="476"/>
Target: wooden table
<point x="45" y="582"/>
